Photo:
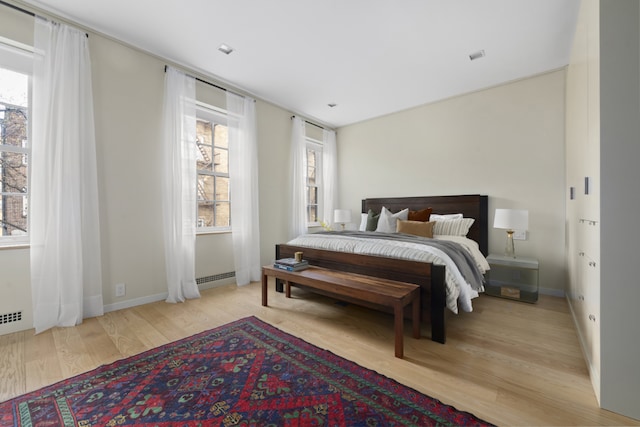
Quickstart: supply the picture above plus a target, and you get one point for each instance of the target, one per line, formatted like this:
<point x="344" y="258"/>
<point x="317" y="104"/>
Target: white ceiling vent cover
<point x="477" y="55"/>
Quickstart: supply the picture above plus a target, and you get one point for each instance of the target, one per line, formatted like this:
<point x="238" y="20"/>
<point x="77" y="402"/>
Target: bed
<point x="429" y="276"/>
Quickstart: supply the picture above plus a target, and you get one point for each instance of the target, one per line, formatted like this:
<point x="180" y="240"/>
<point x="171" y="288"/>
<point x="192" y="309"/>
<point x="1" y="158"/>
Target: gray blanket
<point x="460" y="256"/>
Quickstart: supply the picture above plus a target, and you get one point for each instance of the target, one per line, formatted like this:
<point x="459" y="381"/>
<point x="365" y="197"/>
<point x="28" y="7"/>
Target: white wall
<point x="128" y="109"/>
<point x="619" y="205"/>
<point x="506" y="142"/>
<point x="128" y="91"/>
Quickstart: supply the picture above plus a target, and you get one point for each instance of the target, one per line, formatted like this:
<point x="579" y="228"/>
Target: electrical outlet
<point x="120" y="289"/>
<point x="520" y="235"/>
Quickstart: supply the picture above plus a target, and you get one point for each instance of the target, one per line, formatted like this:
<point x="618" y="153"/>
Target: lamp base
<point x="509" y="249"/>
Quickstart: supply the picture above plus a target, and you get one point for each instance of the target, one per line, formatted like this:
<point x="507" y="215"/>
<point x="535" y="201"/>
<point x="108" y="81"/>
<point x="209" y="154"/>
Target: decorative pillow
<point x="372" y="220"/>
<point x="388" y="220"/>
<point x="421" y="215"/>
<point x="417" y="228"/>
<point x="453" y="227"/>
<point x="438" y="217"/>
<point x="363" y="222"/>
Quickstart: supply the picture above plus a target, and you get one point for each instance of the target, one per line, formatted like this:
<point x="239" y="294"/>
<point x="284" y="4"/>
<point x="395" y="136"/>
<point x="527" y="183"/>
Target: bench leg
<point x="416" y="315"/>
<point x="438" y="304"/>
<point x="399" y="327"/>
<point x="264" y="289"/>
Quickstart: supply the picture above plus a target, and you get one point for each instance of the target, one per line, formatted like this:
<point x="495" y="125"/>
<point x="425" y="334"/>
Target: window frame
<point x="18" y="57"/>
<point x="215" y="115"/>
<point x="316" y="146"/>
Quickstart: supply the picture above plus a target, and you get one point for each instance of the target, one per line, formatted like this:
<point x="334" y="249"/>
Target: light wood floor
<point x="509" y="363"/>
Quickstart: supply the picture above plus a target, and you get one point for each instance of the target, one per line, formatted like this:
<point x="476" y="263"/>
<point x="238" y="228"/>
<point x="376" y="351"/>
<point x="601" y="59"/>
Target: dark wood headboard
<point x="471" y="206"/>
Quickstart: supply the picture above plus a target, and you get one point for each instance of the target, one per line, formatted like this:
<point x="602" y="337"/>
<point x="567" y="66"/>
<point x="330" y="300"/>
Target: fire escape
<point x="205" y="163"/>
<point x="13" y="179"/>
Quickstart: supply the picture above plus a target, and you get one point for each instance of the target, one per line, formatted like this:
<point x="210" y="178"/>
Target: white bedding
<point x="459" y="291"/>
<point x="471" y="246"/>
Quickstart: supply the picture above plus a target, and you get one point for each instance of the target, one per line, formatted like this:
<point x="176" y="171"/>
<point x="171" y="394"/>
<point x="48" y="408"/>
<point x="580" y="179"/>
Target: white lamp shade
<point x="511" y="219"/>
<point x="342" y="216"/>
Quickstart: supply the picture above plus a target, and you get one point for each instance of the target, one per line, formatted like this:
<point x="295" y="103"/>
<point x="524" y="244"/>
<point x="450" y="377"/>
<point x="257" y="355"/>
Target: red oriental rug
<point x="246" y="373"/>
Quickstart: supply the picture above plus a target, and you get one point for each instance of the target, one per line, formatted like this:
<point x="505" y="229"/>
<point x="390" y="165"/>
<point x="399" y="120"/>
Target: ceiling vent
<point x="226" y="49"/>
<point x="477" y="55"/>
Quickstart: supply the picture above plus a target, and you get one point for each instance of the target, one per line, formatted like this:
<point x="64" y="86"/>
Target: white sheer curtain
<point x="243" y="170"/>
<point x="298" y="209"/>
<point x="64" y="228"/>
<point x="329" y="174"/>
<point x="179" y="184"/>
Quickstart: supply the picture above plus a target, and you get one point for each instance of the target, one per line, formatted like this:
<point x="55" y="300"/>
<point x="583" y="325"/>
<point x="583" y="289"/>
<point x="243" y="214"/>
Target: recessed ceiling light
<point x="477" y="55"/>
<point x="226" y="49"/>
<point x="332" y="105"/>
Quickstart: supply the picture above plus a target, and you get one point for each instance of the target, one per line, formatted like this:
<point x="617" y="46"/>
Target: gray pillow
<point x="372" y="220"/>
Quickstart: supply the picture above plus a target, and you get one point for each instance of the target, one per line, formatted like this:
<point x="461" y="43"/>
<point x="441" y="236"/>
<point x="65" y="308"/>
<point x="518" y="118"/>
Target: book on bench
<point x="290" y="264"/>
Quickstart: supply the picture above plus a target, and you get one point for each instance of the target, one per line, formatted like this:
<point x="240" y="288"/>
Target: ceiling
<point x="369" y="57"/>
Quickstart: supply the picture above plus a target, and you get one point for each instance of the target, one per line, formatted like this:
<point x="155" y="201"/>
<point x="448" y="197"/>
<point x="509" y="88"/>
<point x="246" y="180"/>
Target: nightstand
<point x="513" y="278"/>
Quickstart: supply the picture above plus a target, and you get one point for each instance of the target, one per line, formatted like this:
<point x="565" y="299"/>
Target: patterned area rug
<point x="246" y="373"/>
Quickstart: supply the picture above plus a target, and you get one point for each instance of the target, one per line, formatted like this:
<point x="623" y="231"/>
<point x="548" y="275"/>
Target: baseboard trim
<point x="552" y="292"/>
<point x="163" y="296"/>
<point x="135" y="302"/>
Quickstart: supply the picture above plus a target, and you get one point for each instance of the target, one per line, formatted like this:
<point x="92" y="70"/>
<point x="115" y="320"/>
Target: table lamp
<point x="510" y="220"/>
<point x="342" y="216"/>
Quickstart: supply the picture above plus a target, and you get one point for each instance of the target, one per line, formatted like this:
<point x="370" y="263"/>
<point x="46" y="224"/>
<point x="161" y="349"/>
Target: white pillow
<point x="388" y="221"/>
<point x="438" y="217"/>
<point x="363" y="222"/>
<point x="453" y="227"/>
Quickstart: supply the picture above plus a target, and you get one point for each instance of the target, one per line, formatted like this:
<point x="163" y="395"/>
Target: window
<point x="15" y="72"/>
<point x="214" y="199"/>
<point x="314" y="180"/>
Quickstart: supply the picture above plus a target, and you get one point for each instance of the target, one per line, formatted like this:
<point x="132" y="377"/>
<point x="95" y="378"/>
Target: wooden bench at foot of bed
<point x="358" y="288"/>
<point x="429" y="277"/>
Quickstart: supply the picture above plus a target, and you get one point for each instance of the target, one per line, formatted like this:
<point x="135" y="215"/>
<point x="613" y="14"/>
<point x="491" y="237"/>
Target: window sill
<point x="14" y="245"/>
<point x="208" y="232"/>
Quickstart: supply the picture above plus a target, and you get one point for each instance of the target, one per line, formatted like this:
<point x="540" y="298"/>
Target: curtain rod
<point x="208" y="83"/>
<point x="311" y="123"/>
<point x="19" y="9"/>
<point x="25" y="11"/>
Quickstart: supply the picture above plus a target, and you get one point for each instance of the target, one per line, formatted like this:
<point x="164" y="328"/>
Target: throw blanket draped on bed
<point x="462" y="276"/>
